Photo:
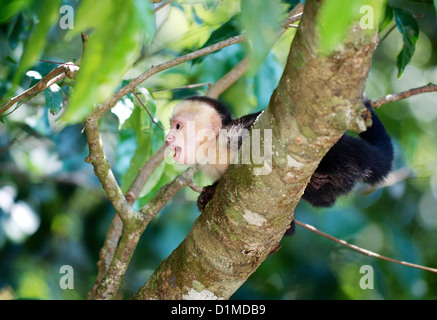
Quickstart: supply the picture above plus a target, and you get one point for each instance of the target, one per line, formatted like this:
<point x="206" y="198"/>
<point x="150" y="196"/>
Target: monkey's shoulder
<point x="247" y="121"/>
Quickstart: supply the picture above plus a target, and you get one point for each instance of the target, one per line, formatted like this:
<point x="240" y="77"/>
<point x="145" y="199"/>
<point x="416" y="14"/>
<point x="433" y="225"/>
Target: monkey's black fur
<point x="351" y="160"/>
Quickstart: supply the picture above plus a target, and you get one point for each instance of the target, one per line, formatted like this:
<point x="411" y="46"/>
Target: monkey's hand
<point x="318" y="180"/>
<point x="205" y="196"/>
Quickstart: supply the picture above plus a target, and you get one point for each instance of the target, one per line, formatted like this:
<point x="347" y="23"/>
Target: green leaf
<point x="153" y="180"/>
<point x="149" y="138"/>
<point x="35" y="77"/>
<point x="225" y="31"/>
<point x="409" y="29"/>
<point x="337" y="16"/>
<point x="388" y="17"/>
<point x="47" y="16"/>
<point x="262" y="21"/>
<point x="123" y="110"/>
<point x="113" y="46"/>
<point x="11" y="8"/>
<point x="53" y="96"/>
<point x="142" y="153"/>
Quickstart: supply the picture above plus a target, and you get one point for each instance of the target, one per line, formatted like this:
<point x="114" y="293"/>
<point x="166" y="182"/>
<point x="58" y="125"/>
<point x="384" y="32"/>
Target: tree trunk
<point x="317" y="99"/>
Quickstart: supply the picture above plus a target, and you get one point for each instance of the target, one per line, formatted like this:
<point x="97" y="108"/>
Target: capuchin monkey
<point x="202" y="127"/>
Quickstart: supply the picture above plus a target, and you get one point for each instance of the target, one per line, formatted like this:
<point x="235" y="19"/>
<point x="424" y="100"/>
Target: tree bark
<point x="317" y="99"/>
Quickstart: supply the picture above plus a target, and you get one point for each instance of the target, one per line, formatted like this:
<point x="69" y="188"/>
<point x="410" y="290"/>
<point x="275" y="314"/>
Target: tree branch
<point x="145" y="108"/>
<point x="114" y="232"/>
<point x="101" y="109"/>
<point x="102" y="170"/>
<point x="144" y="174"/>
<point x="166" y="193"/>
<point x="228" y="79"/>
<point x="109" y="248"/>
<point x="162" y="6"/>
<point x="376" y="103"/>
<point x="107" y="285"/>
<point x="239" y="227"/>
<point x="361" y="250"/>
<point x="237" y="71"/>
<point x="110" y="283"/>
<point x="64" y="70"/>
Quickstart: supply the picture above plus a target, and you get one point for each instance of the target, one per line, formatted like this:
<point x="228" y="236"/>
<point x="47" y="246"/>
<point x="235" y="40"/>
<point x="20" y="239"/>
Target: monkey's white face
<point x="178" y="139"/>
<point x="194" y="128"/>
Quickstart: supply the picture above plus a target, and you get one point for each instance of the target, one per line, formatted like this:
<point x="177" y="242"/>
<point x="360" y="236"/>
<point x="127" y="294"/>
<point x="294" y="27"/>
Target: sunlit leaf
<point x="113" y="46"/>
<point x="9" y="8"/>
<point x="387" y="18"/>
<point x="35" y="77"/>
<point x="261" y="29"/>
<point x="225" y="31"/>
<point x="409" y="29"/>
<point x="47" y="16"/>
<point x="337" y="16"/>
<point x="149" y="138"/>
<point x="53" y="96"/>
<point x="123" y="109"/>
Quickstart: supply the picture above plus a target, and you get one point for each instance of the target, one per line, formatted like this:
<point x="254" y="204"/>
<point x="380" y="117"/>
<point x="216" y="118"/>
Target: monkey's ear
<point x="215" y="123"/>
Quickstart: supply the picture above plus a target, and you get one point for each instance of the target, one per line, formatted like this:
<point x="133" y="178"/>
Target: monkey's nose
<point x="168" y="138"/>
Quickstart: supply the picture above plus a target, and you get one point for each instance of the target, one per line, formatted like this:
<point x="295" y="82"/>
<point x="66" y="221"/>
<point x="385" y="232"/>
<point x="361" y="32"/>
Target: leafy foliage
<point x="53" y="97"/>
<point x="409" y="29"/>
<point x="260" y="31"/>
<point x="53" y="212"/>
<point x="47" y="15"/>
<point x="123" y="24"/>
<point x="337" y="16"/>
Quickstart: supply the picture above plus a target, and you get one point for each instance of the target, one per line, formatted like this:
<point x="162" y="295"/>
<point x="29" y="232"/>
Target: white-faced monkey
<point x="194" y="136"/>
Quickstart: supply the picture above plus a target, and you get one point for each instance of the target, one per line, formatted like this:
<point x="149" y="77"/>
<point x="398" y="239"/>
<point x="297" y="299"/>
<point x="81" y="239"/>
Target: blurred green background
<point x="53" y="211"/>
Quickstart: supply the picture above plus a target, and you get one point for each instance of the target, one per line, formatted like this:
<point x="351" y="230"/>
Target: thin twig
<point x="103" y="108"/>
<point x="238" y="70"/>
<point x="361" y="250"/>
<point x="190" y="86"/>
<point x="58" y="63"/>
<point x="60" y="72"/>
<point x="376" y="103"/>
<point x="387" y="34"/>
<point x="162" y="5"/>
<point x="144" y="174"/>
<point x="150" y="115"/>
<point x="193" y="186"/>
<point x="167" y="192"/>
<point x="84" y="38"/>
<point x="228" y="79"/>
<point x="294" y="16"/>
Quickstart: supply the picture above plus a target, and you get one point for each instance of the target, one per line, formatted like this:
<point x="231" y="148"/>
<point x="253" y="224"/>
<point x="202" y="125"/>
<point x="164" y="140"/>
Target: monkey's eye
<point x="178" y="126"/>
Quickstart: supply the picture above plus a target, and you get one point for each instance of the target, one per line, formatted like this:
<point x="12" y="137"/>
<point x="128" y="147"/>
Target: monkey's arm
<point x="351" y="160"/>
<point x="245" y="122"/>
<point x="206" y="196"/>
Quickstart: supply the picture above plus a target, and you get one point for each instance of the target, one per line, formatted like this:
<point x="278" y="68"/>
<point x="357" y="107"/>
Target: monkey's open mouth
<point x="177" y="152"/>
